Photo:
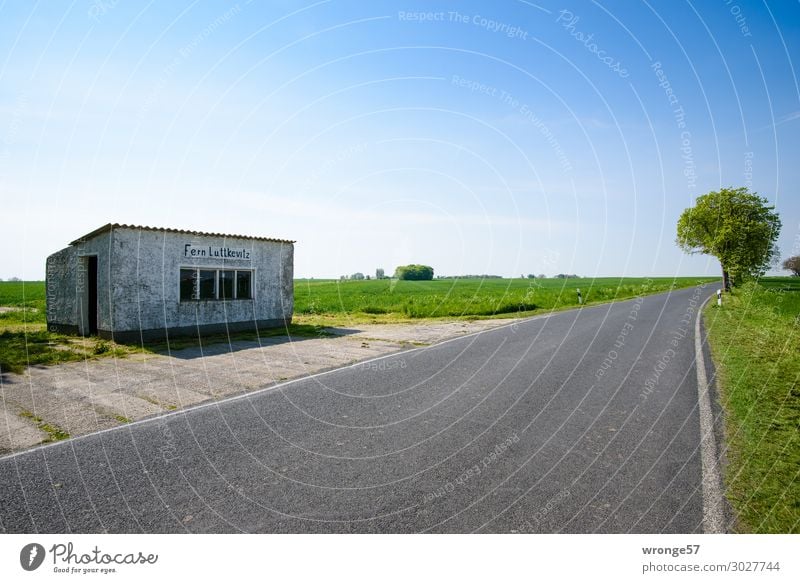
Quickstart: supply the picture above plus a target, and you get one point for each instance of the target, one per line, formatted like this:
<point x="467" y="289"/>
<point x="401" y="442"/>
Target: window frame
<point x="217" y="283"/>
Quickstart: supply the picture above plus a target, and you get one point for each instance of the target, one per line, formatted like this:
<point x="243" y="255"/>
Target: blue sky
<point x="504" y="138"/>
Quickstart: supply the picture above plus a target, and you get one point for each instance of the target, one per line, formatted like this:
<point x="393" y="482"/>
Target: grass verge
<point x="755" y="342"/>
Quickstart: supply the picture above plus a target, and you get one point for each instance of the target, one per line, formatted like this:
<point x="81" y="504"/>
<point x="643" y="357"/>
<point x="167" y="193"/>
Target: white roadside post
<point x="719" y="297"/>
<point x="580" y="298"/>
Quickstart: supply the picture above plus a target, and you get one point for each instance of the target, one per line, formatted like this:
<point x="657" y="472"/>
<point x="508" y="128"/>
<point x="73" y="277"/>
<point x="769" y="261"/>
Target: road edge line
<point x="713" y="507"/>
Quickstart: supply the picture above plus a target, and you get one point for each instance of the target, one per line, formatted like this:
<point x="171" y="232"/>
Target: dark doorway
<point x="92" y="295"/>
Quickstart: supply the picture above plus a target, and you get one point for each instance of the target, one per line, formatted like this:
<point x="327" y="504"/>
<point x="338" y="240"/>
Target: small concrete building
<point x="131" y="283"/>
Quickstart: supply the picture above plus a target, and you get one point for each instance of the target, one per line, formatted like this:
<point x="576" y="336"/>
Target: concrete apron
<point x="47" y="403"/>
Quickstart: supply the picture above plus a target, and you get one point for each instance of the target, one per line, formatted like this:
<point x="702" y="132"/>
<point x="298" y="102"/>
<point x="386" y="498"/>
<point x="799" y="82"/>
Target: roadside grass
<point x="25" y="341"/>
<point x="755" y="341"/>
<point x="319" y="304"/>
<point x="21" y="348"/>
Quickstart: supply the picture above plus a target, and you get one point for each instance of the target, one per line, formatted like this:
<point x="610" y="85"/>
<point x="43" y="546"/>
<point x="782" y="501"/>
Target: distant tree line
<point x="469" y="276"/>
<point x="419" y="272"/>
<point x="410" y="272"/>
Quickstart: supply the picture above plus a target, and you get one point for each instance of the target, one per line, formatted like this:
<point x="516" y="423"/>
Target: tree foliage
<point x="414" y="272"/>
<point x="793" y="264"/>
<point x="734" y="225"/>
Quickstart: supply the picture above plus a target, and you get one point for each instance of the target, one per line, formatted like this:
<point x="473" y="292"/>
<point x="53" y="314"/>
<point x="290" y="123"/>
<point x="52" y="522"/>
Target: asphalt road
<point x="583" y="421"/>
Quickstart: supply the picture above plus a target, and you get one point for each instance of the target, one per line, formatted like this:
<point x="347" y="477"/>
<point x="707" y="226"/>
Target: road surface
<point x="578" y="422"/>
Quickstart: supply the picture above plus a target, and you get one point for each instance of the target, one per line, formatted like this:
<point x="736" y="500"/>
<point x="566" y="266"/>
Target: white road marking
<point x="713" y="513"/>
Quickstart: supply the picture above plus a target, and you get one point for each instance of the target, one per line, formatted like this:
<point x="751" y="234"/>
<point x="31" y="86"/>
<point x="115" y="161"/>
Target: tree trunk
<point x="726" y="280"/>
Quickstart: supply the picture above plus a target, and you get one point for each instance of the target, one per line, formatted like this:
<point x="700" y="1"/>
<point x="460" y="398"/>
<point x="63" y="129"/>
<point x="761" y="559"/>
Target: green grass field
<point x="455" y="298"/>
<point x="755" y="340"/>
<point x="29" y="298"/>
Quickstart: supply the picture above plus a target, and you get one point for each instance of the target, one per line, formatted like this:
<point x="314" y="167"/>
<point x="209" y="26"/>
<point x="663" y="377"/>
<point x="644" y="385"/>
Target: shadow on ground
<point x="199" y="346"/>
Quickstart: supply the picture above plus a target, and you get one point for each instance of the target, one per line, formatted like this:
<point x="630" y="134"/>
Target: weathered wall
<point x="67" y="291"/>
<point x="60" y="286"/>
<point x="146" y="292"/>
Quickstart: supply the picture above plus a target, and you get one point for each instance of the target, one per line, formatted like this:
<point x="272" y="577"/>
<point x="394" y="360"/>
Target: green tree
<point x="737" y="227"/>
<point x="414" y="272"/>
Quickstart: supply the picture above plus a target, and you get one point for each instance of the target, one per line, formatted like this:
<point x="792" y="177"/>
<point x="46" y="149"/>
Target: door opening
<point x="92" y="294"/>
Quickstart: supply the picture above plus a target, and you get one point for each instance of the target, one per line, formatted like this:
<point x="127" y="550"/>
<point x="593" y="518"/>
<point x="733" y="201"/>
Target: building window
<point x="188" y="284"/>
<point x="227" y="279"/>
<point x="208" y="284"/>
<point x="244" y="284"/>
<point x="215" y="284"/>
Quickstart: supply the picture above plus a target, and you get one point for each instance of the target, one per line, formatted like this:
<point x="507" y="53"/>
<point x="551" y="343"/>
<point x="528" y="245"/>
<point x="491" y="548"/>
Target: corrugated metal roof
<point x="112" y="226"/>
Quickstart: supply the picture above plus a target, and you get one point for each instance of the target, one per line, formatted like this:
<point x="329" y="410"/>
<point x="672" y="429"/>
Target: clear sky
<point x="477" y="137"/>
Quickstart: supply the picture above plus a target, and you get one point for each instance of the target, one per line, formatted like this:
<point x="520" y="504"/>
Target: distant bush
<point x="414" y="272"/>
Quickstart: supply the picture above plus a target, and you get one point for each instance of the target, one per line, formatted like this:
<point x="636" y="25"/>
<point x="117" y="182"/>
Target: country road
<point x="578" y="422"/>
